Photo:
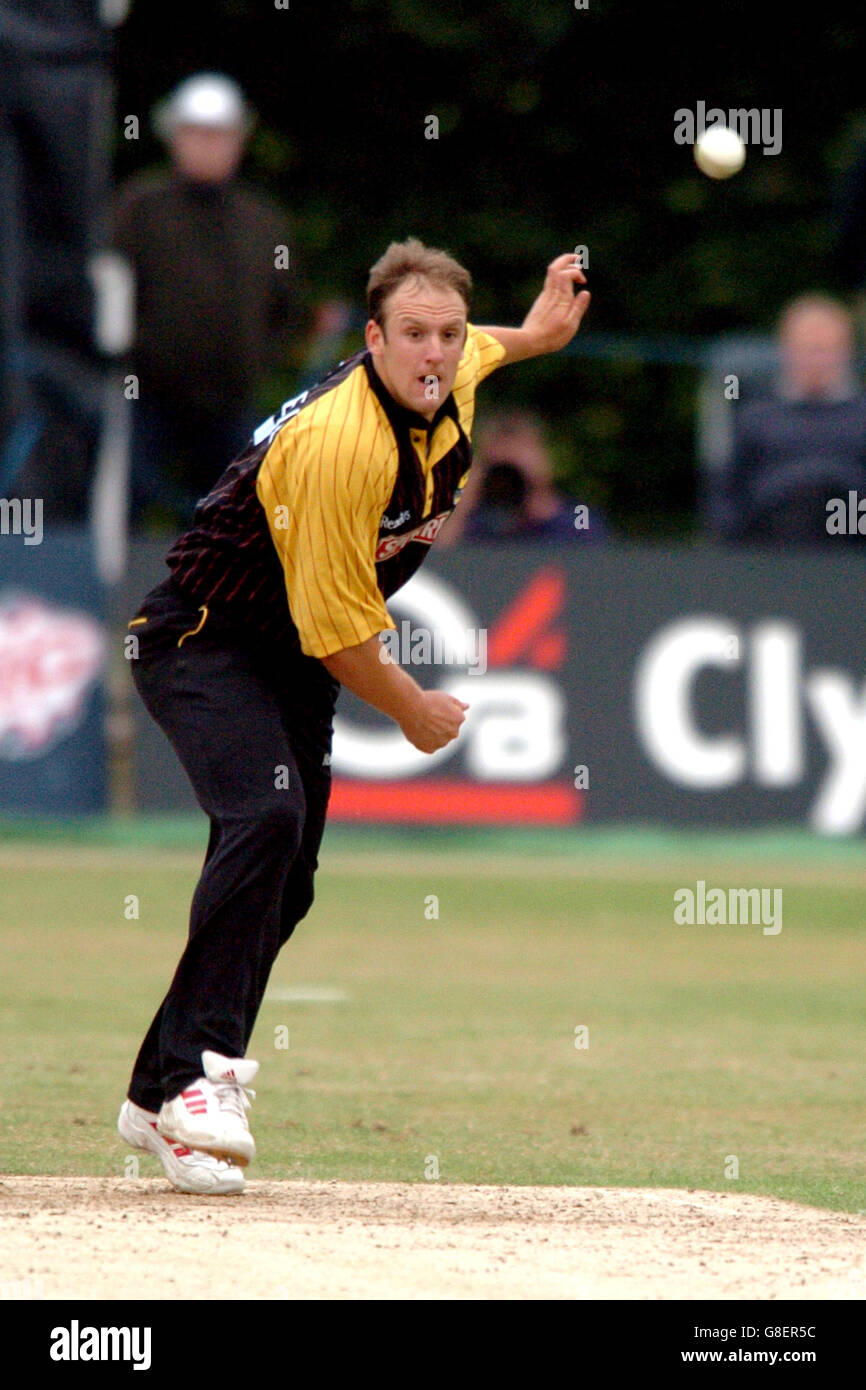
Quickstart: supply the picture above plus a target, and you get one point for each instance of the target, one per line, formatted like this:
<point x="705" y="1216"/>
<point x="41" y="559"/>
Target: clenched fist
<point x="434" y="721"/>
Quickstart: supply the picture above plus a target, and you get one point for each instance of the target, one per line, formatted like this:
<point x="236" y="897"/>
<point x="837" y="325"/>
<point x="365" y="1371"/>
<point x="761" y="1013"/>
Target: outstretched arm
<point x="553" y="319"/>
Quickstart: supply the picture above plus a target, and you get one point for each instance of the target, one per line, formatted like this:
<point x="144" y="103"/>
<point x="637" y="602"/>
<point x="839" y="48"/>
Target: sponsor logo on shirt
<point x="426" y="533"/>
<point x="391" y="523"/>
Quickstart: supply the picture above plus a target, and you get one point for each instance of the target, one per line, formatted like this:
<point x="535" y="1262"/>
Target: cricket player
<point x="276" y="598"/>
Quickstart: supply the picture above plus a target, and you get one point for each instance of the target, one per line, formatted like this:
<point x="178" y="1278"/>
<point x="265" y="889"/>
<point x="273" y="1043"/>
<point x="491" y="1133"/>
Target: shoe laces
<point x="233" y="1097"/>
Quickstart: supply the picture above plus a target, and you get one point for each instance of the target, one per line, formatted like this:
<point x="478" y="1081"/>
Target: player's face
<point x="417" y="350"/>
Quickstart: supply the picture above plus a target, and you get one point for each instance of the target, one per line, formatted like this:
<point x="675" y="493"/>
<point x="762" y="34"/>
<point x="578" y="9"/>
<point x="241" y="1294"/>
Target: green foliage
<point x="556" y="128"/>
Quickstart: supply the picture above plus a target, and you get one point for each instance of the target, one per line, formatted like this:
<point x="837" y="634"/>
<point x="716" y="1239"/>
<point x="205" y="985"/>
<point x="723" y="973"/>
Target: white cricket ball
<point x="719" y="152"/>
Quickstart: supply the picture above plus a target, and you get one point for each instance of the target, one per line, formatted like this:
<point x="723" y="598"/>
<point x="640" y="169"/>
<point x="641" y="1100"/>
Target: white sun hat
<point x="207" y="99"/>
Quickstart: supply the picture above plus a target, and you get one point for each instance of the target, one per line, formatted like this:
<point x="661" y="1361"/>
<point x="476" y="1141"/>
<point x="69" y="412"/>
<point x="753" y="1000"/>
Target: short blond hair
<point x="409" y="259"/>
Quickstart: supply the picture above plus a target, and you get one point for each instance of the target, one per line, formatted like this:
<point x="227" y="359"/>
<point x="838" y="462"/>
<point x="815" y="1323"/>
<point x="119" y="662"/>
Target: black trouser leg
<point x="309" y="731"/>
<point x="227" y="726"/>
<point x="147" y="1081"/>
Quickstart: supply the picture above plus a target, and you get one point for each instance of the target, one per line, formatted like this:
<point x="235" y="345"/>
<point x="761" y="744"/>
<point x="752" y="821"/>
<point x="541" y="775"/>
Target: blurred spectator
<point x="848" y="227"/>
<point x="55" y="111"/>
<point x="806" y="442"/>
<point x="216" y="298"/>
<point x="511" y="494"/>
<point x="333" y="321"/>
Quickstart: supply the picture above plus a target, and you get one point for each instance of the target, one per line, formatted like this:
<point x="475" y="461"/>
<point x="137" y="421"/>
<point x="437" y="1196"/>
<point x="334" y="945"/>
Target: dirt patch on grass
<point x="70" y="1238"/>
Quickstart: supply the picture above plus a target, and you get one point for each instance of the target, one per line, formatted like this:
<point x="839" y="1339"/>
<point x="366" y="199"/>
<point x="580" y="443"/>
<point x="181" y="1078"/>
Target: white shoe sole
<point x="201" y="1179"/>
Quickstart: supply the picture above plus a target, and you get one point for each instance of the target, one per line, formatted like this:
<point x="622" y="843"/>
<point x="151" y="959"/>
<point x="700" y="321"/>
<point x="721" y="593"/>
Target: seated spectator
<point x="806" y="443"/>
<point x="511" y="494"/>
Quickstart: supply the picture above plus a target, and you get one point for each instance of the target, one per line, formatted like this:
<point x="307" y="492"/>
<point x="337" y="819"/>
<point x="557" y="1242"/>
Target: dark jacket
<point x="213" y="313"/>
<point x="789" y="458"/>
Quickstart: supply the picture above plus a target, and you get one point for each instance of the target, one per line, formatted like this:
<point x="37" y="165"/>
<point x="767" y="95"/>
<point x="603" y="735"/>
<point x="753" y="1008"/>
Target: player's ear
<point x="374" y="335"/>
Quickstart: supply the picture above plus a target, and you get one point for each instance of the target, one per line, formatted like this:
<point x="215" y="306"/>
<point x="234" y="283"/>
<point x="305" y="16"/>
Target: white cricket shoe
<point x="210" y="1114"/>
<point x="189" y="1170"/>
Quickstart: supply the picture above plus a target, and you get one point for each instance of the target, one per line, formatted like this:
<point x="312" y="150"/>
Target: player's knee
<point x="303" y="899"/>
<point x="281" y="821"/>
<point x="297" y="902"/>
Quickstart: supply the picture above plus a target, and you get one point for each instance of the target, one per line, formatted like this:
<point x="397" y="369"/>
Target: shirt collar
<point x="399" y="415"/>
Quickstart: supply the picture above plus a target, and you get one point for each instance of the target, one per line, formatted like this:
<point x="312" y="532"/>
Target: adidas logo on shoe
<point x="211" y="1114"/>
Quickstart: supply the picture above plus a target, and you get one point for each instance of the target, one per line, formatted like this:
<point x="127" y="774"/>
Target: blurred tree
<point x="555" y="129"/>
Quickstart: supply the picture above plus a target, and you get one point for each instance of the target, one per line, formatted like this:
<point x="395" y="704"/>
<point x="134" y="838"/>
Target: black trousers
<point x="254" y="737"/>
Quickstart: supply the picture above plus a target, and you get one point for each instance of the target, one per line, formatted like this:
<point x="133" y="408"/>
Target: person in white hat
<point x="205" y="123"/>
<point x="217" y="299"/>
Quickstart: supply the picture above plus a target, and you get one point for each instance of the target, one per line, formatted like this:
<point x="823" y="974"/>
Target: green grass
<point x="456" y="1039"/>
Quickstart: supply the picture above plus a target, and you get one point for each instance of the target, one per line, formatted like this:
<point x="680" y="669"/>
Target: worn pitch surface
<point x="137" y="1239"/>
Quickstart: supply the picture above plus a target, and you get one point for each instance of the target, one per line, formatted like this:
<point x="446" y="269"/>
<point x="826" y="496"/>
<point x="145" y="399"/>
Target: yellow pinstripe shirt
<point x="325" y="484"/>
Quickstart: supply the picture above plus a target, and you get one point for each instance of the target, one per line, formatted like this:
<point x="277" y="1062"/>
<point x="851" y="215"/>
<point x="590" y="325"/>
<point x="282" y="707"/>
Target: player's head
<point x="418" y="303"/>
<point x="816" y="345"/>
<point x="205" y="123"/>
